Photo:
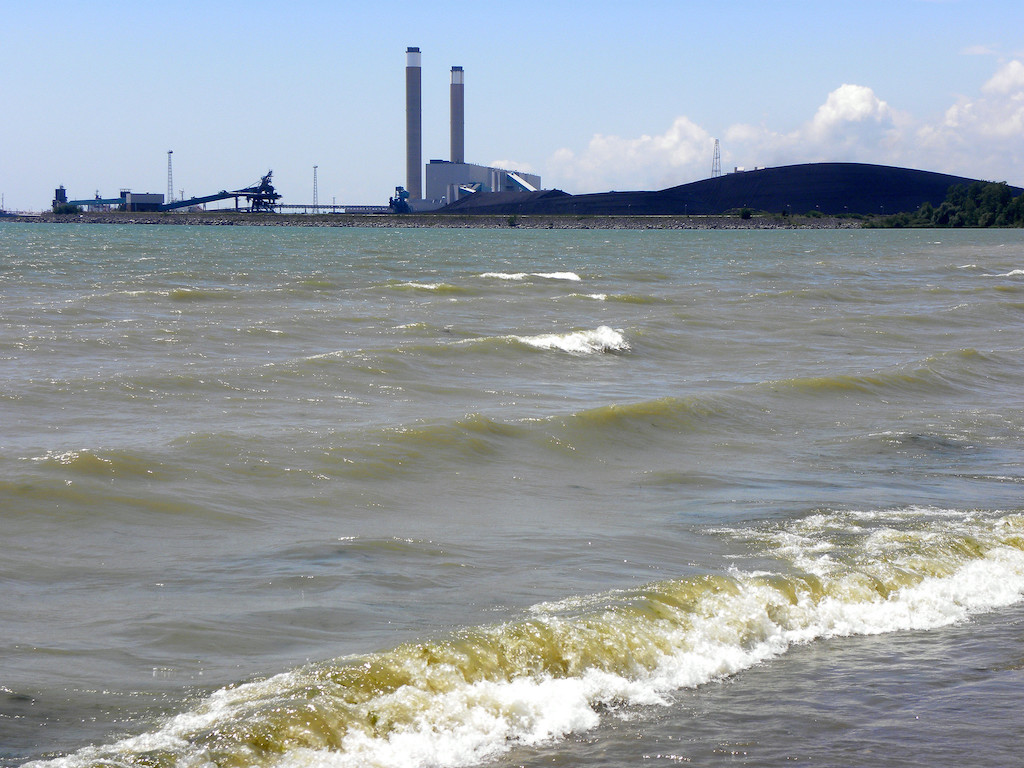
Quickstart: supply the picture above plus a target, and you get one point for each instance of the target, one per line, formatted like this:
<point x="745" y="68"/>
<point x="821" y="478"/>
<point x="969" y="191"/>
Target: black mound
<point x="504" y="203"/>
<point x="831" y="188"/>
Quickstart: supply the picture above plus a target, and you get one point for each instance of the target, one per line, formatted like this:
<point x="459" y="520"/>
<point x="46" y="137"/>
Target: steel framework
<point x="170" y="182"/>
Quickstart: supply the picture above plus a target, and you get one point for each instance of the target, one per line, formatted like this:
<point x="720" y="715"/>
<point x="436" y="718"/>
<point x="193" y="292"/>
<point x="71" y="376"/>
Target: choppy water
<point x="336" y="497"/>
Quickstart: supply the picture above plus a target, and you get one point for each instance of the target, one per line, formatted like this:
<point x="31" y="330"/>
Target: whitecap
<point x="426" y="286"/>
<point x="600" y="339"/>
<point x="632" y="648"/>
<point x="506" y="275"/>
<point x="571" y="276"/>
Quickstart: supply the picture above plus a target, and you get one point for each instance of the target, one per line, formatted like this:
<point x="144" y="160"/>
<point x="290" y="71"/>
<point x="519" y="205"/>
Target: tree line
<point x="979" y="204"/>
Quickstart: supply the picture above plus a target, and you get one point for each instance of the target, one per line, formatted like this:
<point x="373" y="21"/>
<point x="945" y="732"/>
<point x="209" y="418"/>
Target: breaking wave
<point x="563" y="666"/>
<point x="601" y="339"/>
<point x="571" y="276"/>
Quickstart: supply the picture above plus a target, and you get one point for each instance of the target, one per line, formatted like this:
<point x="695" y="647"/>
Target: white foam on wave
<point x="1011" y="273"/>
<point x="600" y="339"/>
<point x="423" y="286"/>
<point x="59" y="457"/>
<point x="506" y="275"/>
<point x="327" y="355"/>
<point x="446" y="718"/>
<point x="571" y="276"/>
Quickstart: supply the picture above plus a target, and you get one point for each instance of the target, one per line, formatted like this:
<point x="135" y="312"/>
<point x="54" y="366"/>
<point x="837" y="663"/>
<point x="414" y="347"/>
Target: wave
<point x="743" y="409"/>
<point x="623" y="298"/>
<point x="435" y="287"/>
<point x="668" y="413"/>
<point x="867" y="383"/>
<point x="198" y="294"/>
<point x="750" y="410"/>
<point x="474" y="437"/>
<point x="1011" y="273"/>
<point x="477" y="440"/>
<point x="601" y="339"/>
<point x="318" y="283"/>
<point x="947" y="371"/>
<point x="99" y="463"/>
<point x="571" y="276"/>
<point x="564" y="666"/>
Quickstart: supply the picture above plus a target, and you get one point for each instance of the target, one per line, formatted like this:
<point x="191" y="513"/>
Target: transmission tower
<point x="716" y="162"/>
<point x="170" y="182"/>
<point x="316" y="198"/>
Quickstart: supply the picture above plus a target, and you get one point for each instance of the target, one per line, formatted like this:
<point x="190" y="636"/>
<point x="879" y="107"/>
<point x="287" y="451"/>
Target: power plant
<point x="452" y="179"/>
<point x="455" y="186"/>
<point x="464" y="188"/>
<point x="446" y="180"/>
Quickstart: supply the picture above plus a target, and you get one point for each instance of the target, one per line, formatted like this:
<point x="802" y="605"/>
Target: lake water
<point x="283" y="497"/>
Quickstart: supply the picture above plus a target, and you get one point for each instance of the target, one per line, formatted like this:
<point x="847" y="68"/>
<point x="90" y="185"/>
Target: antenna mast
<point x="170" y="182"/>
<point x="316" y="199"/>
<point x="716" y="162"/>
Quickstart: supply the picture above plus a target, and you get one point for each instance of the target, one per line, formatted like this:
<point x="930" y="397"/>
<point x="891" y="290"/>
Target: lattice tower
<point x="170" y="178"/>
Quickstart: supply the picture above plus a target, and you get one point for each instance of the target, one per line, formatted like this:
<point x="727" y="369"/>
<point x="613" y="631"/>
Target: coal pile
<point x="827" y="188"/>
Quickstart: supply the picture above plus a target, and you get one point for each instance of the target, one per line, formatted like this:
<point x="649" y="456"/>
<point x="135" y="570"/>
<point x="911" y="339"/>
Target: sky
<point x="592" y="96"/>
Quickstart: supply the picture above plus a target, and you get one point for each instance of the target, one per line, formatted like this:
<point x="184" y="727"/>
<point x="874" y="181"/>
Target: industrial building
<point x="448" y="180"/>
<point x="126" y="201"/>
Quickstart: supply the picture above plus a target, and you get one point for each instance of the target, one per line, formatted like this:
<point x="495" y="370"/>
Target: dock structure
<point x="259" y="197"/>
<point x="301" y="208"/>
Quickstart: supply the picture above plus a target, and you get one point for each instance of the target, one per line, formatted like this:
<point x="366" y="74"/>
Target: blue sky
<point x="590" y="95"/>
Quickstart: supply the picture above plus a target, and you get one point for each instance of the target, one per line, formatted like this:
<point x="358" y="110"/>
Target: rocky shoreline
<point x="449" y="221"/>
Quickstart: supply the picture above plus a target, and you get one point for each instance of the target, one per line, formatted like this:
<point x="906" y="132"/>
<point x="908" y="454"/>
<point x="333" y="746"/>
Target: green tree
<point x="978" y="204"/>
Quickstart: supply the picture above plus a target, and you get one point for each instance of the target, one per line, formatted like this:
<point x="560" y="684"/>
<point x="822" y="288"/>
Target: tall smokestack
<point x="413" y="125"/>
<point x="458" y="116"/>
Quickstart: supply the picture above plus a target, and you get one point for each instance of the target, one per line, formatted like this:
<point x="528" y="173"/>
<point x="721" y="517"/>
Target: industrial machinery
<point x="400" y="202"/>
<point x="261" y="197"/>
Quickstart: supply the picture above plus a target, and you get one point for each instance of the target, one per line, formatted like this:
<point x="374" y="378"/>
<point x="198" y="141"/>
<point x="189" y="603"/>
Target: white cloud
<point x="978" y="137"/>
<point x="981" y="137"/>
<point x="513" y="165"/>
<point x="654" y="162"/>
<point x="849" y="104"/>
<point x="852" y="125"/>
<point x="1008" y="80"/>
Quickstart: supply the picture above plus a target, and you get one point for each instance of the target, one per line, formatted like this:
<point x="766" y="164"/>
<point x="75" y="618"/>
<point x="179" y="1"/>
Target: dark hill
<point x="831" y="188"/>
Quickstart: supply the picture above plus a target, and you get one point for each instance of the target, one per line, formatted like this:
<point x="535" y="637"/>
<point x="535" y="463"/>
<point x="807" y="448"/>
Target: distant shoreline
<point x="447" y="221"/>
